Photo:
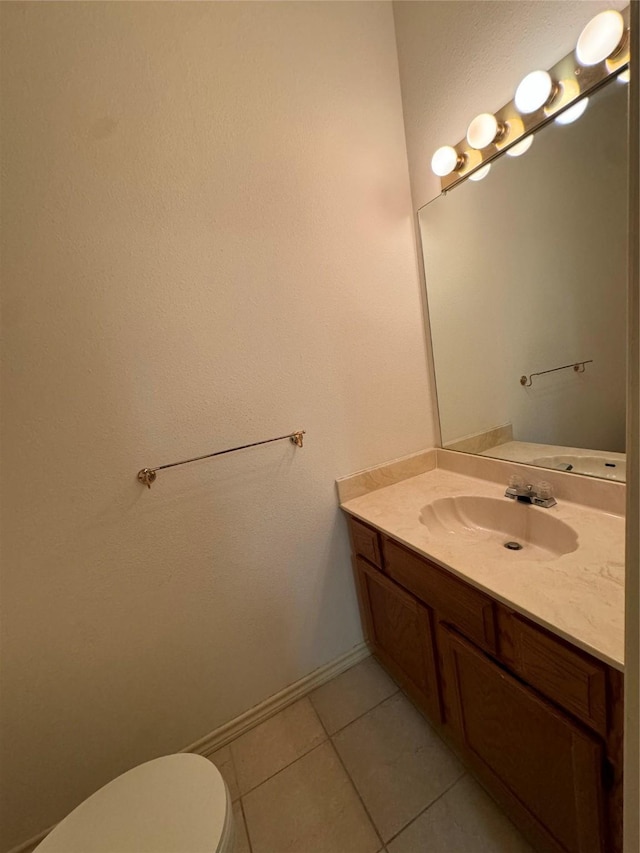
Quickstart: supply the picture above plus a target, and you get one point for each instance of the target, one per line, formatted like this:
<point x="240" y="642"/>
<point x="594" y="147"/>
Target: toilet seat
<point x="175" y="804"/>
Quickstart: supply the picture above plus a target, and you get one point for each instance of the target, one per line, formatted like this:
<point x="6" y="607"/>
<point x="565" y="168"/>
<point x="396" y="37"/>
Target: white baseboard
<point x="230" y="731"/>
<point x="259" y="713"/>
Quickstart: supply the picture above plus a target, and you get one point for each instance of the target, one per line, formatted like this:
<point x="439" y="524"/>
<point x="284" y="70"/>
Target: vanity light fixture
<point x="600" y="38"/>
<point x="481" y="173"/>
<point x="484" y="130"/>
<point x="573" y="113"/>
<point x="446" y="160"/>
<point x="536" y="90"/>
<point x="561" y="93"/>
<point x="521" y="147"/>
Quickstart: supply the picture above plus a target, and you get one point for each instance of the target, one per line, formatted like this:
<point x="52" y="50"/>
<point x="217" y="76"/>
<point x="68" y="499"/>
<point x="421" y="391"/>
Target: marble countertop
<point x="578" y="596"/>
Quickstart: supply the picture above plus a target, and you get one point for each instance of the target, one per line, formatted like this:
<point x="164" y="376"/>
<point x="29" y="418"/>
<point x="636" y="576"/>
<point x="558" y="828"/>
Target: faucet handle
<point x="544" y="490"/>
<point x="516" y="481"/>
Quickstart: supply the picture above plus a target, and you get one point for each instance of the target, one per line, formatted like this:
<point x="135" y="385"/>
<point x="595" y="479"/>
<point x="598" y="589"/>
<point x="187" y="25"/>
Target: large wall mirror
<point x="526" y="273"/>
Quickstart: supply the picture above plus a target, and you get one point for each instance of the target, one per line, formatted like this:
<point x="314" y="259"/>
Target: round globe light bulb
<point x="482" y="131"/>
<point x="481" y="173"/>
<point x="521" y="147"/>
<point x="444" y="161"/>
<point x="625" y="76"/>
<point x="573" y="113"/>
<point x="533" y="92"/>
<point x="600" y="38"/>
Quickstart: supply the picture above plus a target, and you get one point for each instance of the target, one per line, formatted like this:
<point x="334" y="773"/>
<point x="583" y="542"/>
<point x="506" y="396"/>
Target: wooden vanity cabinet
<point x="538" y="721"/>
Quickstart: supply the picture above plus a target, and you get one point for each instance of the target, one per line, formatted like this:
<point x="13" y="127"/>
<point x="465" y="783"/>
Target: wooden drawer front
<point x="470" y="610"/>
<point x="537" y="760"/>
<point x="574" y="680"/>
<point x="366" y="542"/>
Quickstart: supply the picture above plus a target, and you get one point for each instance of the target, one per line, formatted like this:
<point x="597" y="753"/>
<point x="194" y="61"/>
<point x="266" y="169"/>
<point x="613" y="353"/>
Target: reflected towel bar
<point x="578" y="366"/>
<point x="147" y="476"/>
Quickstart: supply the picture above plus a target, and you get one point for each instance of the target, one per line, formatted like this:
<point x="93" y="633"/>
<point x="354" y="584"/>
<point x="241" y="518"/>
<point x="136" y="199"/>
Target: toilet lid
<point x="175" y="804"/>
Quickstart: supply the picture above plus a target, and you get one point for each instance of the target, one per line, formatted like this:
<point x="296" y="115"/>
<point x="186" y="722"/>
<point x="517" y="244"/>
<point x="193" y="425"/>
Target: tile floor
<point x="354" y="768"/>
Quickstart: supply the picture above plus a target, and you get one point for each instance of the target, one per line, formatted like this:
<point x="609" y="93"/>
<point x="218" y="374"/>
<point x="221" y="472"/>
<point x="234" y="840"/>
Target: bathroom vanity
<point x="505" y="623"/>
<point x="536" y="717"/>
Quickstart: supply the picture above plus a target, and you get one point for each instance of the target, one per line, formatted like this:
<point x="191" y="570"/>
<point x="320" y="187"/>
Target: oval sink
<point x="500" y="522"/>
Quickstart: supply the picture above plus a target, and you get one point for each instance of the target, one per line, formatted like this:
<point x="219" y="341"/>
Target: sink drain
<point x="513" y="546"/>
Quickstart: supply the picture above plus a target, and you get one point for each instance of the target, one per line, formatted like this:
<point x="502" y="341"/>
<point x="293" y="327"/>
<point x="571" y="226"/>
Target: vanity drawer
<point x="455" y="601"/>
<point x="563" y="674"/>
<point x="365" y="542"/>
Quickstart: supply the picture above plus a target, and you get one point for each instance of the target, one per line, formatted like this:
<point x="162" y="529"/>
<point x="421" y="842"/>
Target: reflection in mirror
<point x="526" y="273"/>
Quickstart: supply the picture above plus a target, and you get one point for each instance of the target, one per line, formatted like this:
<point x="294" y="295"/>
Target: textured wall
<point x="207" y="241"/>
<point x="459" y="58"/>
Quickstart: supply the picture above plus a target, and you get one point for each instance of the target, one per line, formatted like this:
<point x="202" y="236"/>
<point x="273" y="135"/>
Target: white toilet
<point x="176" y="804"/>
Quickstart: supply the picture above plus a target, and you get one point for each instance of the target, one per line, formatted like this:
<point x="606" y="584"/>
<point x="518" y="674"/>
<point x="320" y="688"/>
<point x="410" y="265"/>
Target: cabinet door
<point x="546" y="768"/>
<point x="400" y="629"/>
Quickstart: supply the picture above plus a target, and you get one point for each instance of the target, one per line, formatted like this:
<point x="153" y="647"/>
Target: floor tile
<point x="272" y="745"/>
<point x="224" y="762"/>
<point x="351" y="694"/>
<point x="464" y="820"/>
<point x="241" y="844"/>
<point x="310" y="806"/>
<point x="397" y="762"/>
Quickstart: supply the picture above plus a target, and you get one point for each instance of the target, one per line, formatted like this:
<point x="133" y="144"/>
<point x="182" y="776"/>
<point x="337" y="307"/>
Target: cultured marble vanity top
<point x="577" y="595"/>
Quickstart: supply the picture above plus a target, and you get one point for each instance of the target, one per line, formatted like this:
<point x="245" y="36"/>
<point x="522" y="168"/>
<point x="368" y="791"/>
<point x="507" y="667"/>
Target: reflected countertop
<point x="596" y="463"/>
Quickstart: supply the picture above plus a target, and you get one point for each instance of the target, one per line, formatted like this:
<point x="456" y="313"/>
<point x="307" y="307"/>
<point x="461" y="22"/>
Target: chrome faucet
<point x="540" y="495"/>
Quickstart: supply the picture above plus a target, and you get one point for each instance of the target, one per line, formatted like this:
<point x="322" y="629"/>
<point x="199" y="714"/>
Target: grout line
<point x="297" y="758"/>
<point x="284" y="767"/>
<point x="446" y="745"/>
<point x="360" y="716"/>
<point x="327" y="739"/>
<point x="307" y="751"/>
<point x="426" y="808"/>
<point x="354" y="786"/>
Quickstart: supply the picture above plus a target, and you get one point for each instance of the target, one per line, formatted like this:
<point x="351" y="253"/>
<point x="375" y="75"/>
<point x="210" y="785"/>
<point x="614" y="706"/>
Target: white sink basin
<point x="498" y="521"/>
<point x="593" y="466"/>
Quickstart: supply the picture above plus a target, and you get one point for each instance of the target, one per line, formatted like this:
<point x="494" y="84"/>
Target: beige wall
<point x="208" y="241"/>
